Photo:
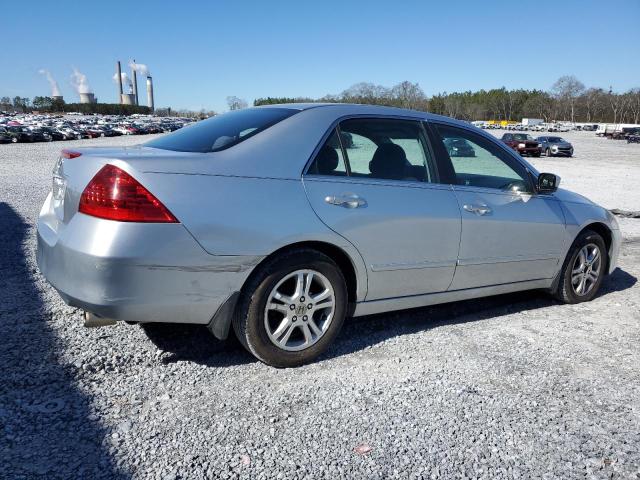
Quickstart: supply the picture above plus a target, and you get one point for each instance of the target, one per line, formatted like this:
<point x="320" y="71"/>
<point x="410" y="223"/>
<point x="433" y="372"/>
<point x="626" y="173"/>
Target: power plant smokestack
<point x="81" y="86"/>
<point x="132" y="64"/>
<point x="87" y="98"/>
<point x="142" y="69"/>
<point x="119" y="73"/>
<point x="127" y="99"/>
<point x="150" y="92"/>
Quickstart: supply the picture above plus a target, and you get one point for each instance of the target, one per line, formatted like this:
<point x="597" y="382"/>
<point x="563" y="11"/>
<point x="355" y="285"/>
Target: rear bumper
<point x="136" y="272"/>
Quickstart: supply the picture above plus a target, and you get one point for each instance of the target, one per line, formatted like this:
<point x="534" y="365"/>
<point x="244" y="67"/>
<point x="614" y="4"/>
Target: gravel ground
<point x="515" y="386"/>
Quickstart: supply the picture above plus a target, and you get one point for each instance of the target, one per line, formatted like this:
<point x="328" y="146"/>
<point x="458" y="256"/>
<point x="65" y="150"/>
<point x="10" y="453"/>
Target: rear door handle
<point x="477" y="209"/>
<point x="347" y="200"/>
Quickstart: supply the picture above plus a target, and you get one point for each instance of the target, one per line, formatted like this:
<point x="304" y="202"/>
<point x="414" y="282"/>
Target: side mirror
<point x="548" y="183"/>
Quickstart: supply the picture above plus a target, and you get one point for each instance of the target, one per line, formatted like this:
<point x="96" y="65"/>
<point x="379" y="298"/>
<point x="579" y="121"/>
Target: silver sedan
<point x="278" y="222"/>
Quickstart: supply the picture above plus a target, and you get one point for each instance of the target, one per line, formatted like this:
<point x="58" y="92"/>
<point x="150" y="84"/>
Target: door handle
<point x="346" y="200"/>
<point x="477" y="209"/>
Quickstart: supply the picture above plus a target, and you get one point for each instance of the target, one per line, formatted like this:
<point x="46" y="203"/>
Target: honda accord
<point x="278" y="222"/>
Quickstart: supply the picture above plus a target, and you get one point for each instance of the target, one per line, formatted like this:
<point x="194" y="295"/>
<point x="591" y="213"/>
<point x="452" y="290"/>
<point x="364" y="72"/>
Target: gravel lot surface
<point x="515" y="386"/>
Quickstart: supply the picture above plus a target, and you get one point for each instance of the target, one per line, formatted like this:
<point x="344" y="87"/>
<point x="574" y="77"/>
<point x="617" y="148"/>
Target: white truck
<point x="613" y="129"/>
<point x="530" y="122"/>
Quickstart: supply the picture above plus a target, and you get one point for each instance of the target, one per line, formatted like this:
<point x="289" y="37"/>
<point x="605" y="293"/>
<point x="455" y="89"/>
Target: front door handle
<point x="347" y="200"/>
<point x="477" y="209"/>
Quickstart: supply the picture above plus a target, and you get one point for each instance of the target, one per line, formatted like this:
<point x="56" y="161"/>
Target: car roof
<point x="363" y="109"/>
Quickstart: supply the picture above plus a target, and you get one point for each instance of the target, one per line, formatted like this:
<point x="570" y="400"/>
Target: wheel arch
<point x="337" y="254"/>
<point x="605" y="232"/>
<point x="598" y="227"/>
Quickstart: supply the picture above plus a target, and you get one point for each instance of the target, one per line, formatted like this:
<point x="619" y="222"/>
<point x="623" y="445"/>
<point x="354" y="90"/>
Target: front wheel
<point x="583" y="269"/>
<point x="292" y="308"/>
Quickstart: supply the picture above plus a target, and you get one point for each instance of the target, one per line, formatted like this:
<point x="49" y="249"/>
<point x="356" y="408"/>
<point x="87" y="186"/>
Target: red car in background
<point x="523" y="143"/>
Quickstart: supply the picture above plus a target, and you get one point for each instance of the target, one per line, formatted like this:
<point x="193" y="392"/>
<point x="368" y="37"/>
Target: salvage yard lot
<point x="510" y="386"/>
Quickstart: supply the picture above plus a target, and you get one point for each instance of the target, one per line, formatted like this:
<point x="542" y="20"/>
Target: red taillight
<point x="69" y="153"/>
<point x="115" y="195"/>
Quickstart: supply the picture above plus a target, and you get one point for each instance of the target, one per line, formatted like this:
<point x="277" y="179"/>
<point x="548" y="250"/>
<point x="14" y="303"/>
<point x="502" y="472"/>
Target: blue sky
<point x="201" y="52"/>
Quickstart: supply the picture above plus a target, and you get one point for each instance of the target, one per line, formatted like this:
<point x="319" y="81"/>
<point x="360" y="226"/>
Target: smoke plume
<point x="79" y="82"/>
<point x="139" y="68"/>
<point x="55" y="90"/>
<point x="126" y="82"/>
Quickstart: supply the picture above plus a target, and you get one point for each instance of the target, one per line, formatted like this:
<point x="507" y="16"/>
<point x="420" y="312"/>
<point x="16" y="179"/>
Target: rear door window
<point x="390" y="149"/>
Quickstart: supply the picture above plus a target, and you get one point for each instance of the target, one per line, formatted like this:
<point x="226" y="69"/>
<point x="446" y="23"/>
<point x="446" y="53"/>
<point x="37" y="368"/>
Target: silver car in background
<point x="555" y="146"/>
<point x="278" y="222"/>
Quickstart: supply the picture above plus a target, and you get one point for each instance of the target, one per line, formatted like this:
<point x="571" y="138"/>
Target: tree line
<point x="567" y="100"/>
<point x="56" y="105"/>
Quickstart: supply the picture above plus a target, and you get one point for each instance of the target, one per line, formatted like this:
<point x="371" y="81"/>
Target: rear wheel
<point x="292" y="308"/>
<point x="583" y="269"/>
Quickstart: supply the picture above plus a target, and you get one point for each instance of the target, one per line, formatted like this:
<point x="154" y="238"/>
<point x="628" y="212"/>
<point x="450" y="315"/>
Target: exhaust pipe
<point x="91" y="320"/>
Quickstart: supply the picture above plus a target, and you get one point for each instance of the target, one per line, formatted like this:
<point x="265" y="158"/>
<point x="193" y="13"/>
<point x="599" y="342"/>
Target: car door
<point x="509" y="233"/>
<point x="374" y="182"/>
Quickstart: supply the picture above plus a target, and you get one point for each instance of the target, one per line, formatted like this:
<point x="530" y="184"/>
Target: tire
<point x="255" y="325"/>
<point x="537" y="154"/>
<point x="566" y="292"/>
<point x="14" y="139"/>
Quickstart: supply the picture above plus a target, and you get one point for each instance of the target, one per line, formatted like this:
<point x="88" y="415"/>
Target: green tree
<point x="21" y="104"/>
<point x="5" y="103"/>
<point x="43" y="104"/>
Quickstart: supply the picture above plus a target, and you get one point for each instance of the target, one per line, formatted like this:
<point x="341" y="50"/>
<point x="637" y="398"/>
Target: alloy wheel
<point x="299" y="310"/>
<point x="586" y="269"/>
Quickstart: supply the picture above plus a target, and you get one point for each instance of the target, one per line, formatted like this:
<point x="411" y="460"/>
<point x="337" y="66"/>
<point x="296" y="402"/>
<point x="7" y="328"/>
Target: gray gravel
<point x="515" y="386"/>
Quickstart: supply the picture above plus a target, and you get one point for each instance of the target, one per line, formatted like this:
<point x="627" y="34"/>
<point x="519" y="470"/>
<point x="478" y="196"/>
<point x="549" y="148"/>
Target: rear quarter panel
<point x="247" y="216"/>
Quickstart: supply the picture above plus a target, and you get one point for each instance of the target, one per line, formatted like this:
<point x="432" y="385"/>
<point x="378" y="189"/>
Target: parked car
<point x="19" y="134"/>
<point x="630" y="132"/>
<point x="53" y="133"/>
<point x="4" y="136"/>
<point x="635" y="138"/>
<point x="39" y="135"/>
<point x="557" y="127"/>
<point x="262" y="222"/>
<point x="552" y="146"/>
<point x="522" y="143"/>
<point x="108" y="131"/>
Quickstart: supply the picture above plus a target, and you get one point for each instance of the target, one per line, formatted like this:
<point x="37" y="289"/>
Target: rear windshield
<point x="221" y="131"/>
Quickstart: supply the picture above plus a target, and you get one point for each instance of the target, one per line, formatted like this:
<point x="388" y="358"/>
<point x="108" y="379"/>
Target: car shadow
<point x="362" y="332"/>
<point x="46" y="424"/>
<point x="195" y="343"/>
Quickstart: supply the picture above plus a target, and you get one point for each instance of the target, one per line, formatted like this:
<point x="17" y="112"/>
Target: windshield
<point x="555" y="140"/>
<point x="522" y="136"/>
<point x="221" y="131"/>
